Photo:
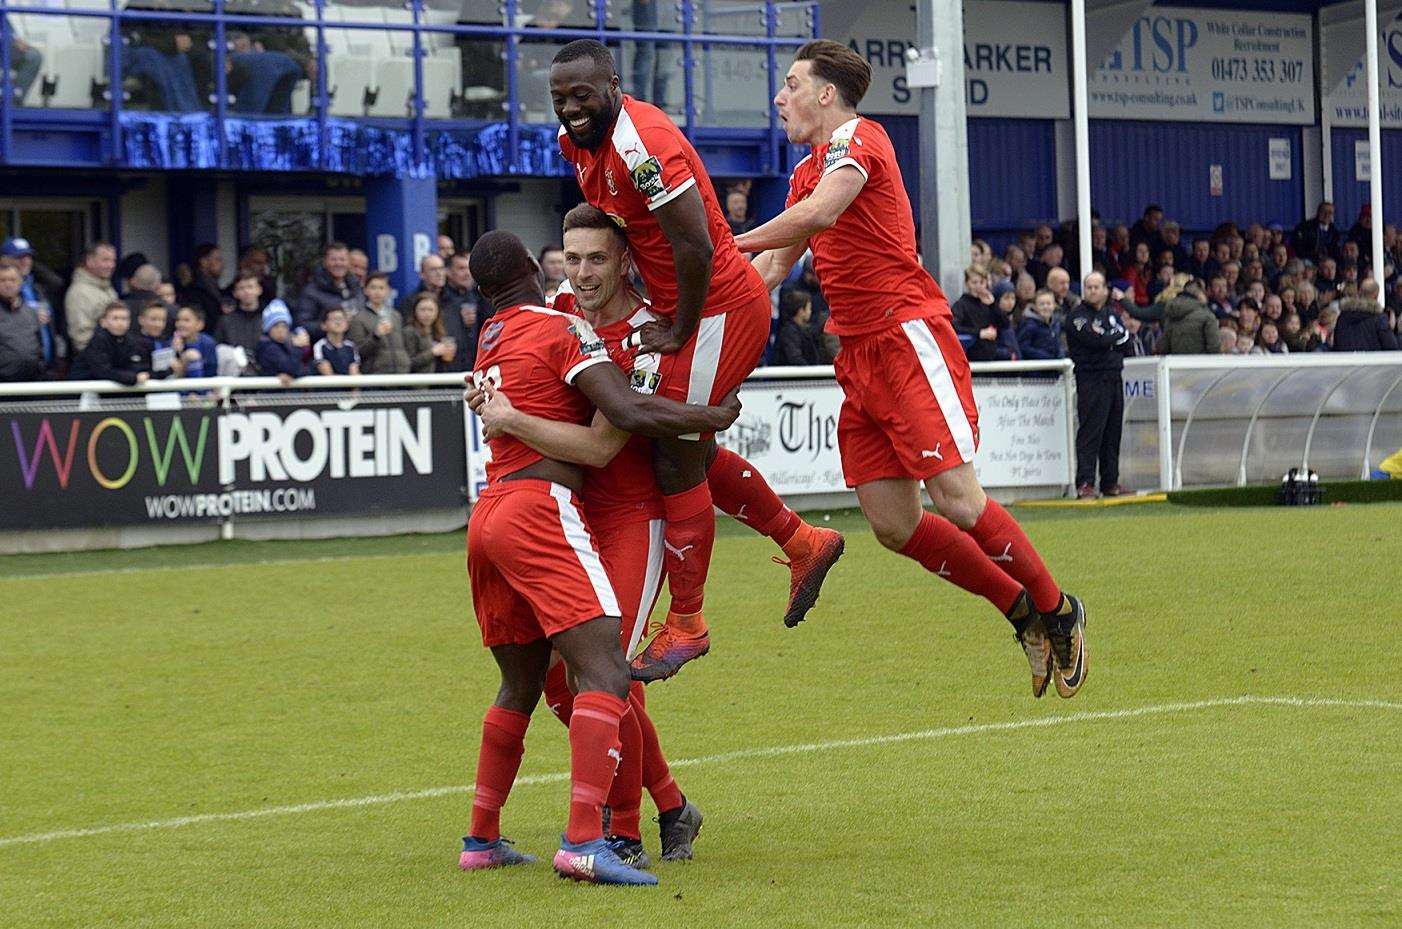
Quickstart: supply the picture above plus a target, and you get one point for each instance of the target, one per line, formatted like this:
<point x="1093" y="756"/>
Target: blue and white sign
<point x="1209" y="66"/>
<point x="1347" y="102"/>
<point x="1015" y="55"/>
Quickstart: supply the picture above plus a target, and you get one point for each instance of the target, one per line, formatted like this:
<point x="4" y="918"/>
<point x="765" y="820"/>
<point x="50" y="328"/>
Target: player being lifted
<point x="633" y="163"/>
<point x="908" y="416"/>
<point x="537" y="580"/>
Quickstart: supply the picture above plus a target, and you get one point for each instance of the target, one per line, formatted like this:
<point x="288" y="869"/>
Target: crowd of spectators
<point x="122" y="320"/>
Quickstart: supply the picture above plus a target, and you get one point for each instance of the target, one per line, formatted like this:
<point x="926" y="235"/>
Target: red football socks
<point x="1003" y="540"/>
<point x="558" y="695"/>
<point x="691" y="533"/>
<point x="942" y="548"/>
<point x="594" y="756"/>
<point x="657" y="776"/>
<point x="503" y="743"/>
<point x="741" y="491"/>
<point x="625" y="799"/>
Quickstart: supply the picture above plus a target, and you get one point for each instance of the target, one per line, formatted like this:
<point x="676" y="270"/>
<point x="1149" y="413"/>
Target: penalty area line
<point x="772" y="751"/>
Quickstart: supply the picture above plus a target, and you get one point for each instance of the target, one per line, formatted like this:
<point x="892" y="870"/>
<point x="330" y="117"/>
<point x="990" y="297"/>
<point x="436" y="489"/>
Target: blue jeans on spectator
<point x="268" y="80"/>
<point x="25" y="62"/>
<point x="649" y="76"/>
<point x="172" y="76"/>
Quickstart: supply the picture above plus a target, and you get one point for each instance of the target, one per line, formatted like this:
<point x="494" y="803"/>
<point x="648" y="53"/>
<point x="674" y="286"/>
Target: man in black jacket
<point x="463" y="310"/>
<point x="1097" y="339"/>
<point x="203" y="293"/>
<point x="113" y="354"/>
<point x="1362" y="325"/>
<point x="976" y="315"/>
<point x="21" y="351"/>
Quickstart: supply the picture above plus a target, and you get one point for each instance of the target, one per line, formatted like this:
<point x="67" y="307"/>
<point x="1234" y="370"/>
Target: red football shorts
<point x="908" y="408"/>
<point x="534" y="567"/>
<point x="632" y="552"/>
<point x="718" y="358"/>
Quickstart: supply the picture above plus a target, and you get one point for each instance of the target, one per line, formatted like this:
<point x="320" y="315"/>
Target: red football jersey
<point x="866" y="262"/>
<point x="626" y="487"/>
<point x="534" y="354"/>
<point x="646" y="163"/>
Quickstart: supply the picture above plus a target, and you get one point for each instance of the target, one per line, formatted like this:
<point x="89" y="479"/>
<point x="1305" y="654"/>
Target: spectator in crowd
<point x="203" y="291"/>
<point x="430" y="348"/>
<point x="1326" y="275"/>
<point x="90" y="294"/>
<point x="1360" y="236"/>
<point x="1362" y="324"/>
<point x="795" y="343"/>
<point x="737" y="210"/>
<point x="1059" y="283"/>
<point x="1279" y="262"/>
<point x="1016" y="260"/>
<point x="1226" y="336"/>
<point x="166" y="291"/>
<point x="1316" y="237"/>
<point x="446" y="247"/>
<point x="359" y="264"/>
<point x="552" y="265"/>
<point x="976" y="316"/>
<point x="1047" y="261"/>
<point x="25" y="62"/>
<point x="262" y="79"/>
<point x="1139" y="273"/>
<point x="21" y="347"/>
<point x="160" y="55"/>
<point x="1307" y="302"/>
<point x="1097" y="341"/>
<point x="1025" y="290"/>
<point x="1219" y="299"/>
<point x="111" y="352"/>
<point x="980" y="253"/>
<point x="1146" y="229"/>
<point x="1321" y="331"/>
<point x="1163" y="280"/>
<point x="332" y="284"/>
<point x="41" y="288"/>
<point x="242" y="326"/>
<point x="162" y="357"/>
<point x="378" y="330"/>
<point x="1171" y="235"/>
<point x="255" y="261"/>
<point x="1037" y="338"/>
<point x="141" y="291"/>
<point x="1248" y="315"/>
<point x="1005" y="303"/>
<point x="278" y="354"/>
<point x="1269" y="342"/>
<point x="333" y="353"/>
<point x="197" y="348"/>
<point x="1190" y="327"/>
<point x="1197" y="263"/>
<point x="433" y="275"/>
<point x="463" y="310"/>
<point x="1292" y="333"/>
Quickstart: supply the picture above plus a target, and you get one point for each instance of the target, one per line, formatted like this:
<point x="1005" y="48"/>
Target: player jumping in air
<point x="908" y="415"/>
<point x="537" y="580"/>
<point x="633" y="163"/>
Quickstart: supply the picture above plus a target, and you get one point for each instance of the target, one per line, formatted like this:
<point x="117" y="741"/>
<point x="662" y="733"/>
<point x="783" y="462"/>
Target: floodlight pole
<point x="1375" y="147"/>
<point x="1080" y="95"/>
<point x="937" y="70"/>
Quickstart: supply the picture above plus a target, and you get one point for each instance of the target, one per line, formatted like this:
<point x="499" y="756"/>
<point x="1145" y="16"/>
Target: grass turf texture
<point x="1268" y="494"/>
<point x="224" y="687"/>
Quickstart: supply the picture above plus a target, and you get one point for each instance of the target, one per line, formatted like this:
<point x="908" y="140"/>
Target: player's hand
<point x="496" y="414"/>
<point x="659" y="336"/>
<point x="474" y="397"/>
<point x="728" y="410"/>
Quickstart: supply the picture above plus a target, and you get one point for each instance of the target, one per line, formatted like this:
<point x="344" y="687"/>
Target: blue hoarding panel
<point x="1350" y="193"/>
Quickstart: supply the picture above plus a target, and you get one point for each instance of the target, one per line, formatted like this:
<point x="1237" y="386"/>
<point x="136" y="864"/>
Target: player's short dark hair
<point x="839" y="66"/>
<point x="499" y="258"/>
<point x="792" y="301"/>
<point x="587" y="48"/>
<point x="588" y="216"/>
<point x="376" y="276"/>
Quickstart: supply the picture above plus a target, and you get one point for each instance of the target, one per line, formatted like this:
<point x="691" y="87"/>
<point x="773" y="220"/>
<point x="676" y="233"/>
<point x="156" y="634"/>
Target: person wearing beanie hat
<point x="278" y="353"/>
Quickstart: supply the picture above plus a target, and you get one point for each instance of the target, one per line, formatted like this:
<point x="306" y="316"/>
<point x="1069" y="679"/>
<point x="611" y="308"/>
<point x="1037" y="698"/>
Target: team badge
<point x="491" y="335"/>
<point x="647" y="177"/>
<point x="645" y="376"/>
<point x="589" y="341"/>
<point x="836" y="152"/>
<point x="608" y="178"/>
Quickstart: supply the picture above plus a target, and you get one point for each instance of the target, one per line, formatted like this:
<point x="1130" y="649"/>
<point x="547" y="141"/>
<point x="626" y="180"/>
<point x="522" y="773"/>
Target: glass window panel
<point x="168" y="65"/>
<point x="555" y="14"/>
<point x="795" y="21"/>
<point x="58" y="62"/>
<point x="654" y="71"/>
<point x="477" y="67"/>
<point x="731" y="86"/>
<point x="533" y="81"/>
<point x="272" y="69"/>
<point x="730" y="17"/>
<point x="645" y="15"/>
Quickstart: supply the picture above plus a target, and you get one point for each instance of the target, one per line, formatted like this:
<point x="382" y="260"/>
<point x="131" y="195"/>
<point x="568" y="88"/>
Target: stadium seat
<point x="351" y="59"/>
<point x="394" y="71"/>
<point x="72" y="69"/>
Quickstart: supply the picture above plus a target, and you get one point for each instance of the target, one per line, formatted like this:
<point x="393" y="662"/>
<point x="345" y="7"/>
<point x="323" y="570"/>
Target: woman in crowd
<point x="1292" y="333"/>
<point x="430" y="350"/>
<point x="1139" y="274"/>
<point x="1269" y="342"/>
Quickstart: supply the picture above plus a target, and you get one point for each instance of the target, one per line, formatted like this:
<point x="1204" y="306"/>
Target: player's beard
<point x="599" y="125"/>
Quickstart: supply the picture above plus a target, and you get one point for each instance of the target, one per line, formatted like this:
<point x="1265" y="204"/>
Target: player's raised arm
<point x="683" y="221"/>
<point x="593" y="446"/>
<point x="642" y="414"/>
<point x="811" y="215"/>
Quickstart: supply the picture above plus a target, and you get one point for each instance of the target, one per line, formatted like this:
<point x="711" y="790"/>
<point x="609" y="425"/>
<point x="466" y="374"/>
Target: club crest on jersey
<point x="608" y="179"/>
<point x="647" y="177"/>
<point x="644" y="381"/>
<point x="589" y="341"/>
<point x="491" y="335"/>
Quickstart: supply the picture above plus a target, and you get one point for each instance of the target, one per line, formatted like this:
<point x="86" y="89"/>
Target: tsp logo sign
<point x="647" y="177"/>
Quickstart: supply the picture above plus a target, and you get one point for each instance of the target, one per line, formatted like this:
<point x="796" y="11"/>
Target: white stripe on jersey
<point x="577" y="535"/>
<point x="942" y="385"/>
<point x="652" y="581"/>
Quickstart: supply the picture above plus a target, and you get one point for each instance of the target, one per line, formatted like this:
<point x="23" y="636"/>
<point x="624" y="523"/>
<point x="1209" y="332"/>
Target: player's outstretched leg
<point x="601" y="674"/>
<point x="740" y="491"/>
<point x="499" y="758"/>
<point x="679" y="820"/>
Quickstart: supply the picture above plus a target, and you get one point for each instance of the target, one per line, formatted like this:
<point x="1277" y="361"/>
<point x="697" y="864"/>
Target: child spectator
<point x="197" y="348"/>
<point x="278" y="354"/>
<point x="795" y="344"/>
<point x="1037" y="338"/>
<point x="425" y="338"/>
<point x="163" y="360"/>
<point x="333" y="353"/>
<point x="112" y="354"/>
<point x="242" y="326"/>
<point x="378" y="331"/>
<point x="1268" y="341"/>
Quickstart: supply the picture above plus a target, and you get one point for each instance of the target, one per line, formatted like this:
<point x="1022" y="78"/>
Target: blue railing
<point x="339" y="108"/>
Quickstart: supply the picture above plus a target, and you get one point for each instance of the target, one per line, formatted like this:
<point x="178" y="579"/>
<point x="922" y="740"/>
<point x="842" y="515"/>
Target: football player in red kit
<point x="537" y="580"/>
<point x="633" y="163"/>
<point x="908" y="417"/>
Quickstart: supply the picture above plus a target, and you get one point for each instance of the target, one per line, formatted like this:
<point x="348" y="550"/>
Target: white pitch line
<point x="267" y="562"/>
<point x="772" y="751"/>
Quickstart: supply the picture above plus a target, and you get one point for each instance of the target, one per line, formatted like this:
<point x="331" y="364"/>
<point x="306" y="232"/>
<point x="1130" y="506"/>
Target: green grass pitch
<point x="884" y="764"/>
